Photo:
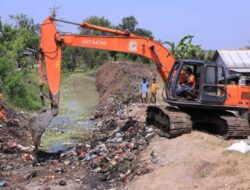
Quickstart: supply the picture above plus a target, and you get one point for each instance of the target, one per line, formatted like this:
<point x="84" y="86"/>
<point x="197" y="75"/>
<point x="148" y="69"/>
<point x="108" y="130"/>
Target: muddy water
<point x="78" y="100"/>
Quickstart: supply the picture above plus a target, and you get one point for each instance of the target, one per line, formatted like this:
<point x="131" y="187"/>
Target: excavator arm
<point x="121" y="41"/>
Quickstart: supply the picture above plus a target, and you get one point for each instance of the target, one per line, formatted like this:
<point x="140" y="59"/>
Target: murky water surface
<point x="78" y="99"/>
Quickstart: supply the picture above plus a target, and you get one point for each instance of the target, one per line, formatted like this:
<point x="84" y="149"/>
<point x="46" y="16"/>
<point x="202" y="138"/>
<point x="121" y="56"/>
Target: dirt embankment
<point x="15" y="133"/>
<point x="119" y="82"/>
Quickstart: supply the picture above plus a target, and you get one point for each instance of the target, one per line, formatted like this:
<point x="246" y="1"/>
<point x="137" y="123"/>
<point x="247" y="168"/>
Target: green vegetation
<point x="185" y="49"/>
<point x="52" y="137"/>
<point x="16" y="78"/>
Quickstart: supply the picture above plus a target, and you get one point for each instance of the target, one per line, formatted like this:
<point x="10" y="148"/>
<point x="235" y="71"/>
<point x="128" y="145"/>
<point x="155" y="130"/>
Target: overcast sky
<point x="215" y="24"/>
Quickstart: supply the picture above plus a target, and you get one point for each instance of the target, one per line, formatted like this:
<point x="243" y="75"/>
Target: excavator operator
<point x="2" y="116"/>
<point x="189" y="83"/>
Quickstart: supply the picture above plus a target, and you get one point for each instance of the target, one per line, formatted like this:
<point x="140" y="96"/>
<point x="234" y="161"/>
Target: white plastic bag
<point x="241" y="146"/>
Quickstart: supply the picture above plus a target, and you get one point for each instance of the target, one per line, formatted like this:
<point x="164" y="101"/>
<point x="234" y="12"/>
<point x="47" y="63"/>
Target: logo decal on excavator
<point x="95" y="42"/>
<point x="132" y="45"/>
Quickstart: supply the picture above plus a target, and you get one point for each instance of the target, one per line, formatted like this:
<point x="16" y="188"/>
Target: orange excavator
<point x="211" y="102"/>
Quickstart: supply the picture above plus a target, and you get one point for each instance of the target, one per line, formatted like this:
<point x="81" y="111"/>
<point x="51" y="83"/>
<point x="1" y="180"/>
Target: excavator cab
<point x="208" y="85"/>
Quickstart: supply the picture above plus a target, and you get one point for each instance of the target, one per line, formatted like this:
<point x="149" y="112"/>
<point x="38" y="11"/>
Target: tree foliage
<point x="143" y="32"/>
<point x="14" y="39"/>
<point x="99" y="21"/>
<point x="23" y="22"/>
<point x="185" y="49"/>
<point x="129" y="24"/>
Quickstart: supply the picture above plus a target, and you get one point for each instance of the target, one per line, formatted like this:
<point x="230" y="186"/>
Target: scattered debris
<point x="62" y="183"/>
<point x="60" y="170"/>
<point x="67" y="162"/>
<point x="89" y="157"/>
<point x="31" y="174"/>
<point x="153" y="157"/>
<point x="28" y="157"/>
<point x="241" y="146"/>
<point x="24" y="148"/>
<point x="3" y="183"/>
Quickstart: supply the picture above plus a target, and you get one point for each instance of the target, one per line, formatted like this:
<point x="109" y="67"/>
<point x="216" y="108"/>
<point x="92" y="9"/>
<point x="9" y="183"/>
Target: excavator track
<point x="227" y="124"/>
<point x="236" y="127"/>
<point x="170" y="121"/>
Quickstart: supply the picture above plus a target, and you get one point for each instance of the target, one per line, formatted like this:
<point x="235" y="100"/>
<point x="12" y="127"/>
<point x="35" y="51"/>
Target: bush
<point x="20" y="93"/>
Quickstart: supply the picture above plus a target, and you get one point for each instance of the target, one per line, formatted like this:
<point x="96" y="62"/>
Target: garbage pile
<point x="111" y="157"/>
<point x="115" y="156"/>
<point x="114" y="152"/>
<point x="15" y="137"/>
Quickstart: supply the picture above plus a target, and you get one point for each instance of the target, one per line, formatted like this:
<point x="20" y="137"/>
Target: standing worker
<point x="144" y="90"/>
<point x="2" y="116"/>
<point x="154" y="87"/>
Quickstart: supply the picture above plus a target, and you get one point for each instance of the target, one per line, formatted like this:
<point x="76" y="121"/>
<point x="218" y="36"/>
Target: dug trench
<point x="118" y="150"/>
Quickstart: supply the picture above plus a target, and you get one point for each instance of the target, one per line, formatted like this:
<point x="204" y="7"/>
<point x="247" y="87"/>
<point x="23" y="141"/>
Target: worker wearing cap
<point x="2" y="116"/>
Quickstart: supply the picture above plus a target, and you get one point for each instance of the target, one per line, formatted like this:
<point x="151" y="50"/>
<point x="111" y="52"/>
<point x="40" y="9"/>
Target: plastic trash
<point x="3" y="183"/>
<point x="89" y="157"/>
<point x="62" y="183"/>
<point x="241" y="146"/>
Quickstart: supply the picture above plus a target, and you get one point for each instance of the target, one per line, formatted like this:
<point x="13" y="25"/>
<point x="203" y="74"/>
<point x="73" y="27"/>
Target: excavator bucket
<point x="38" y="124"/>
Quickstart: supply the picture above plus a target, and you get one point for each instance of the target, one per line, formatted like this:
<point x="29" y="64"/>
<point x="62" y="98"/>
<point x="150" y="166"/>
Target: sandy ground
<point x="194" y="161"/>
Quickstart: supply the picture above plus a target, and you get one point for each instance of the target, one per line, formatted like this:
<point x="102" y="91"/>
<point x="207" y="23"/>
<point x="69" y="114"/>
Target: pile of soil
<point x="119" y="82"/>
<point x="16" y="132"/>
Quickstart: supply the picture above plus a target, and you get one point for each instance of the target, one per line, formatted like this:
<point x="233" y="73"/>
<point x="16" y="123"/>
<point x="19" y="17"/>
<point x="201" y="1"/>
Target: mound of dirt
<point x="16" y="133"/>
<point x="119" y="82"/>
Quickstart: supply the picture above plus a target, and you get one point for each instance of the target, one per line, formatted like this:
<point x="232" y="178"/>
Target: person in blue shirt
<point x="144" y="90"/>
